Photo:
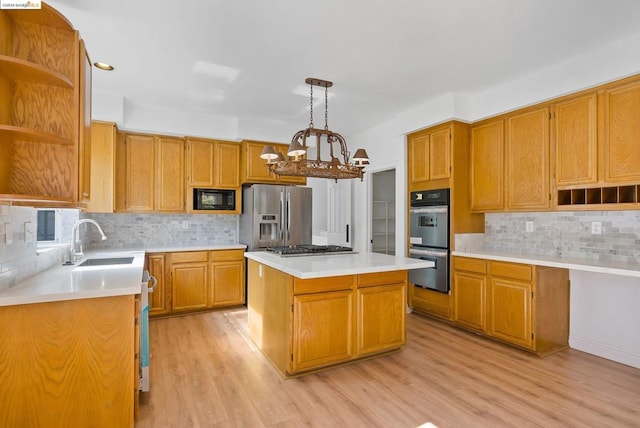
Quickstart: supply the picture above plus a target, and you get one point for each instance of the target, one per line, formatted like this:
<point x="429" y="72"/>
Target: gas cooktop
<point x="308" y="250"/>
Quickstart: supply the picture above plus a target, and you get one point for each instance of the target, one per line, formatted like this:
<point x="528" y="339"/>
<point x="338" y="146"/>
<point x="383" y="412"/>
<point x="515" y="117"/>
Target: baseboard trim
<point x="605" y="351"/>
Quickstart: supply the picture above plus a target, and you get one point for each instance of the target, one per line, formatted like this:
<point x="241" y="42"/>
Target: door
<point x="382" y="224"/>
<point x="487" y="167"/>
<point x="339" y="213"/>
<point x="140" y="173"/>
<point x="158" y="301"/>
<point x="470" y="299"/>
<point x="381" y="317"/>
<point x="509" y="311"/>
<point x="298" y="215"/>
<point x="621" y="154"/>
<point x="189" y="284"/>
<point x="170" y="181"/>
<point x="227" y="279"/>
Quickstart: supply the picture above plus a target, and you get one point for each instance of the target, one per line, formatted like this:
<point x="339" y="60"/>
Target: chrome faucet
<point x="76" y="246"/>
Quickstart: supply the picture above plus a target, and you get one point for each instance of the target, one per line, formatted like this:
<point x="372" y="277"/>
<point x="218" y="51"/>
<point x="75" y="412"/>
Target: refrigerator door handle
<point x="281" y="220"/>
<point x="288" y="214"/>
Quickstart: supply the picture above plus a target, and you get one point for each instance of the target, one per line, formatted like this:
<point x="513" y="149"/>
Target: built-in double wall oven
<point x="429" y="238"/>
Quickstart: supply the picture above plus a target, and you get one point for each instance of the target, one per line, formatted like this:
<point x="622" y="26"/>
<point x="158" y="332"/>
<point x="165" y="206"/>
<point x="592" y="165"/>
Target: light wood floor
<point x="205" y="372"/>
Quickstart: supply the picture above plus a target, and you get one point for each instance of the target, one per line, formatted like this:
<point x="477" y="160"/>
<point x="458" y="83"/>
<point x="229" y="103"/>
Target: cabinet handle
<point x="155" y="283"/>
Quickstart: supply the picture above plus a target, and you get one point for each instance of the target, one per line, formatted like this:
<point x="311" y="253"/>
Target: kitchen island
<point x="311" y="312"/>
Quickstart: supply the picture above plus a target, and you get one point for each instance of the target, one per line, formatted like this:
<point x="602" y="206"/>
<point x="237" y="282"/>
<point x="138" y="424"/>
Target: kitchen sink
<point x="107" y="261"/>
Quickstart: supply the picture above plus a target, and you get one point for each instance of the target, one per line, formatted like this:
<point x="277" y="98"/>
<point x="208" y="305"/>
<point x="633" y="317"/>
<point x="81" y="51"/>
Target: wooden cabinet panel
<point x="511" y="270"/>
<point x="510" y="312"/>
<point x="159" y="302"/>
<point x="469" y="300"/>
<point x="255" y="168"/>
<point x="487" y="167"/>
<point x="322" y="329"/>
<point x="381" y="317"/>
<point x="139" y="170"/>
<point x="201" y="155"/>
<point x="440" y="154"/>
<point x="367" y="279"/>
<point x="470" y="265"/>
<point x="622" y="127"/>
<point x="170" y="175"/>
<point x="576" y="160"/>
<point x="189" y="257"/>
<point x="189" y="286"/>
<point x="103" y="158"/>
<point x="84" y="145"/>
<point x="527" y="160"/>
<point x="315" y="285"/>
<point x="226" y="164"/>
<point x="419" y="157"/>
<point x="227" y="283"/>
<point x="226" y="255"/>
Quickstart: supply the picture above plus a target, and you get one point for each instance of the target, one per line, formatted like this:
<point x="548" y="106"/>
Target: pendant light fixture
<point x="299" y="163"/>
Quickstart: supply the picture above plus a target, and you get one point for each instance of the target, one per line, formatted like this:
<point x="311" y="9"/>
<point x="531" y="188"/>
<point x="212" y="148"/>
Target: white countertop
<point x="178" y="248"/>
<point x="306" y="267"/>
<point x="583" y="264"/>
<point x="79" y="282"/>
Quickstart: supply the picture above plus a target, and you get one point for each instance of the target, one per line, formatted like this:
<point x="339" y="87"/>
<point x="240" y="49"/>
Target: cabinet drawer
<point x="511" y="270"/>
<point x="391" y="277"/>
<point x="315" y="285"/>
<point x="189" y="257"/>
<point x="470" y="264"/>
<point x="222" y="255"/>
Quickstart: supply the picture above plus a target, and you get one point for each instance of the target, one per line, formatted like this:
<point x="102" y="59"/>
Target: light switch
<point x="28" y="232"/>
<point x="8" y="234"/>
<point x="596" y="228"/>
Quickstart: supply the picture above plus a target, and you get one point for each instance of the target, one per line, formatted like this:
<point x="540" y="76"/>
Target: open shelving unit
<point x="384" y="227"/>
<point x="608" y="197"/>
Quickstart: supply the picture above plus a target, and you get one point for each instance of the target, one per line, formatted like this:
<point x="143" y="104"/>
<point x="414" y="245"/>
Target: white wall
<point x="605" y="319"/>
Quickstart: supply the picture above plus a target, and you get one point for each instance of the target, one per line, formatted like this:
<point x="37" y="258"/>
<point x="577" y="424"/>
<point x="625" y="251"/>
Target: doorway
<point x="383" y="212"/>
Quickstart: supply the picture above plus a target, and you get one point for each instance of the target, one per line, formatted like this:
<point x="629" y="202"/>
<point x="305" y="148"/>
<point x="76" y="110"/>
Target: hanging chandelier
<point x="298" y="162"/>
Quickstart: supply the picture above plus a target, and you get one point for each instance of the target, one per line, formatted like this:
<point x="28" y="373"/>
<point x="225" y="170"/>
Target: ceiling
<point x="244" y="59"/>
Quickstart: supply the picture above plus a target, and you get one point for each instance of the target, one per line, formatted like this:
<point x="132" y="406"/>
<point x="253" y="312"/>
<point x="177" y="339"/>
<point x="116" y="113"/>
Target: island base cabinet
<point x="381" y="317"/>
<point x="68" y="363"/>
<point x="322" y="329"/>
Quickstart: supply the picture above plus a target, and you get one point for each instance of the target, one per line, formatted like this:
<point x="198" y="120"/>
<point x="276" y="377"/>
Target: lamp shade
<point x="296" y="149"/>
<point x="268" y="153"/>
<point x="360" y="158"/>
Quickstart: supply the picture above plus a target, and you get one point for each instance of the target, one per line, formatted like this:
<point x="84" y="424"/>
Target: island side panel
<point x="269" y="300"/>
<point x="68" y="361"/>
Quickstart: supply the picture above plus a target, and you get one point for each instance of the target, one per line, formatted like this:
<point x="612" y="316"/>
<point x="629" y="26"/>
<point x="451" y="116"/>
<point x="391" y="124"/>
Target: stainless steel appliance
<point x="214" y="199"/>
<point x="310" y="250"/>
<point x="429" y="238"/>
<point x="275" y="216"/>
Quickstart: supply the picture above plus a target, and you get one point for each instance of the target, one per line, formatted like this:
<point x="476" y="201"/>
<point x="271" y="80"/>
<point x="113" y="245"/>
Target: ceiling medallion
<point x="298" y="162"/>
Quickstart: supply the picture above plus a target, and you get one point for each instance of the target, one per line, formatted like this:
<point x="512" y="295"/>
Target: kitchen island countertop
<point x="314" y="266"/>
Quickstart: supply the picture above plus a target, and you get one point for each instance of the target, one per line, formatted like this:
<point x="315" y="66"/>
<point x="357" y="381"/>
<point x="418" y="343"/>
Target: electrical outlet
<point x="28" y="232"/>
<point x="185" y="224"/>
<point x="8" y="234"/>
<point x="596" y="228"/>
<point x="529" y="226"/>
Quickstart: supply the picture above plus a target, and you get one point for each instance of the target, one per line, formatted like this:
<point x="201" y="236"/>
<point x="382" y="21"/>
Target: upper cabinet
<point x="429" y="153"/>
<point x="576" y="144"/>
<point x="45" y="81"/>
<point x="527" y="160"/>
<point x="621" y="131"/>
<point x="213" y="163"/>
<point x="103" y="168"/>
<point x="254" y="169"/>
<point x="487" y="166"/>
<point x="149" y="173"/>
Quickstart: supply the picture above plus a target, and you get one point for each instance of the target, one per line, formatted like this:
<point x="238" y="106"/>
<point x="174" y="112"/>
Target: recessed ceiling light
<point x="103" y="66"/>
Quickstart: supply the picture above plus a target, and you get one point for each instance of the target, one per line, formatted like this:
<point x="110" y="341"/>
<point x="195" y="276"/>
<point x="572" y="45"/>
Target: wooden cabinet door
<point x="510" y="311"/>
<point x="170" y="175"/>
<point x="381" y="317"/>
<point x="84" y="146"/>
<point x="139" y="170"/>
<point x="226" y="164"/>
<point x="159" y="303"/>
<point x="487" y="167"/>
<point x="418" y="158"/>
<point x="103" y="158"/>
<point x="576" y="141"/>
<point x="470" y="300"/>
<point x="323" y="330"/>
<point x="200" y="162"/>
<point x="622" y="127"/>
<point x="527" y="160"/>
<point x="227" y="283"/>
<point x="440" y="154"/>
<point x="255" y="167"/>
<point x="189" y="286"/>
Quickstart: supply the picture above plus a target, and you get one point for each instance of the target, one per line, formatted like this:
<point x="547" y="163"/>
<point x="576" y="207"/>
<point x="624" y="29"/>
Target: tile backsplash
<point x="157" y="230"/>
<point x="567" y="234"/>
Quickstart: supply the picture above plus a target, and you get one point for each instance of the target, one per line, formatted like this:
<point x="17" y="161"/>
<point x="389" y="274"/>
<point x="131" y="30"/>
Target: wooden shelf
<point x="21" y="70"/>
<point x="20" y="199"/>
<point x="46" y="16"/>
<point x="599" y="198"/>
<point x="26" y="134"/>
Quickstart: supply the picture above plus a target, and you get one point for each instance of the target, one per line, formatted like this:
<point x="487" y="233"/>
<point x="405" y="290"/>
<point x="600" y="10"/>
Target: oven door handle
<point x="420" y="252"/>
<point x="430" y="210"/>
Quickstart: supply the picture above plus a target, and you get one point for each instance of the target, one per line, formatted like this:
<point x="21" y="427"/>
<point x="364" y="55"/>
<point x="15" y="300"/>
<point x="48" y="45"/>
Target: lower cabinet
<point x="159" y="300"/>
<point x="227" y="278"/>
<point x="523" y="305"/>
<point x="306" y="324"/>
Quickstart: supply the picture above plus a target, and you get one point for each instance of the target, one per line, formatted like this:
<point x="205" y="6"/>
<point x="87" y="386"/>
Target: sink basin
<point x="107" y="261"/>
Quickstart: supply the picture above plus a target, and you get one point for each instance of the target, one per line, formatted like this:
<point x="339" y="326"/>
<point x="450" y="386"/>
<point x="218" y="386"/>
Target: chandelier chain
<point x="326" y="108"/>
<point x="311" y="107"/>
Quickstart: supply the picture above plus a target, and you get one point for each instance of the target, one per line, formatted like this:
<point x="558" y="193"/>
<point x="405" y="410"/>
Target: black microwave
<point x="214" y="199"/>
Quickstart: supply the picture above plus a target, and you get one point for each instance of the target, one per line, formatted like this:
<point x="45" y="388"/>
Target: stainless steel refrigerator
<point x="274" y="216"/>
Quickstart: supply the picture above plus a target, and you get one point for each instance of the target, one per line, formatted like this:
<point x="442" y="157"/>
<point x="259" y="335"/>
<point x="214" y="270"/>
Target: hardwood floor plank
<point x="206" y="372"/>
